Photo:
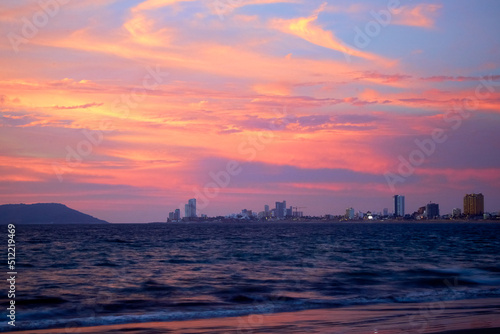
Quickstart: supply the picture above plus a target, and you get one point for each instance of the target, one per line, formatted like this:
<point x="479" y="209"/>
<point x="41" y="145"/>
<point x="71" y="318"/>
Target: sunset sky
<point x="126" y="109"/>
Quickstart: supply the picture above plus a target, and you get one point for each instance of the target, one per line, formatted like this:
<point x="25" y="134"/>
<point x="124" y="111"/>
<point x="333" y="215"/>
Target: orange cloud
<point x="143" y="31"/>
<point x="273" y="89"/>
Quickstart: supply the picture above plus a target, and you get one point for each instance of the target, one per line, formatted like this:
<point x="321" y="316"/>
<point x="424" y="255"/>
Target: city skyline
<point x="430" y="210"/>
<point x="125" y="109"/>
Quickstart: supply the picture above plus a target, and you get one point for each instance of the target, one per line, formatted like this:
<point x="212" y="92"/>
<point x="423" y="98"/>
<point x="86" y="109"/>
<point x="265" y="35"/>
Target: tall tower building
<point x="192" y="207"/>
<point x="473" y="204"/>
<point x="399" y="206"/>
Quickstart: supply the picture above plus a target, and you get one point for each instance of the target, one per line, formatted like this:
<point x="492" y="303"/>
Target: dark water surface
<point x="125" y="273"/>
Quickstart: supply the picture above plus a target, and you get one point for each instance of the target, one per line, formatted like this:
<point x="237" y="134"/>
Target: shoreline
<point x="361" y="221"/>
<point x="446" y="317"/>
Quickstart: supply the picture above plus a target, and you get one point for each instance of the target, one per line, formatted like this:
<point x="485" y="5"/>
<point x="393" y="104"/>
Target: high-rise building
<point x="190" y="209"/>
<point x="473" y="204"/>
<point x="432" y="210"/>
<point x="280" y="209"/>
<point x="399" y="206"/>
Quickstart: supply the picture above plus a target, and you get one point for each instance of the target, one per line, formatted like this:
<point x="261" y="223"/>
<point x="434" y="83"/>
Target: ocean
<point x="71" y="276"/>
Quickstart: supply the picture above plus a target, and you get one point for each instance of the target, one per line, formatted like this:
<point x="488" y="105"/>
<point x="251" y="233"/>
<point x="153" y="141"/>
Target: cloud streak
<point x="307" y="29"/>
<point x="83" y="106"/>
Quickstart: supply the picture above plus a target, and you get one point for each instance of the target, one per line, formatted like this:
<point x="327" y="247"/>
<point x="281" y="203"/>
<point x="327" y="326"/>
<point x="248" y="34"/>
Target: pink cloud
<point x="155" y="4"/>
<point x="384" y="78"/>
<point x="442" y="78"/>
<point x="421" y="15"/>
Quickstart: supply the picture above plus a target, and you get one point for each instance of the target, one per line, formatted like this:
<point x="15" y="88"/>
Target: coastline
<point x="447" y="317"/>
<point x="337" y="221"/>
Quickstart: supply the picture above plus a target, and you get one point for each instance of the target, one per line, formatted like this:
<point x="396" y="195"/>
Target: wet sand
<point x="450" y="317"/>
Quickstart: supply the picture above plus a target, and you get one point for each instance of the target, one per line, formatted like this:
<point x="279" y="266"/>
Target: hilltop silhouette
<point x="44" y="213"/>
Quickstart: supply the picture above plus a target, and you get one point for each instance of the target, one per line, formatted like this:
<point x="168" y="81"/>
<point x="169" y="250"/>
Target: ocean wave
<point x="276" y="304"/>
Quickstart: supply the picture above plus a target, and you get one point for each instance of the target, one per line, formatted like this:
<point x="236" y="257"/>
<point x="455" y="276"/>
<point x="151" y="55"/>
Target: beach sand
<point x="451" y="317"/>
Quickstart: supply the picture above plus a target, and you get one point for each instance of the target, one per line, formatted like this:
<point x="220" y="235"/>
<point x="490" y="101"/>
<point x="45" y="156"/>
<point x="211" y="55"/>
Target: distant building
<point x="190" y="208"/>
<point x="280" y="210"/>
<point x="246" y="213"/>
<point x="456" y="212"/>
<point x="399" y="206"/>
<point x="267" y="212"/>
<point x="432" y="210"/>
<point x="174" y="215"/>
<point x="474" y="204"/>
<point x="349" y="213"/>
<point x="386" y="211"/>
<point x="289" y="212"/>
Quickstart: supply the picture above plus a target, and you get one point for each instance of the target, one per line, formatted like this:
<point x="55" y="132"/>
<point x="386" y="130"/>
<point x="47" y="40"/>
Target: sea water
<point x="85" y="275"/>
